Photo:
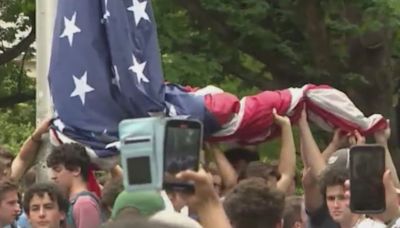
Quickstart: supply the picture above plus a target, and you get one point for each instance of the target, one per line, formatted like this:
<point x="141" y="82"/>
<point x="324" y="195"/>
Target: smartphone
<point x="182" y="144"/>
<point x="139" y="158"/>
<point x="367" y="166"/>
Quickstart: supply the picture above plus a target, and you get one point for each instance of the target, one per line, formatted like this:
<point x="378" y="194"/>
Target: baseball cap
<point x="340" y="159"/>
<point x="146" y="202"/>
<point x="175" y="219"/>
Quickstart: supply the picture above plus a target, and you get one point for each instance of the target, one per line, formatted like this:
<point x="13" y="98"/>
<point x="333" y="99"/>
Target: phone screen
<point x="182" y="146"/>
<point x="367" y="165"/>
<point x="139" y="170"/>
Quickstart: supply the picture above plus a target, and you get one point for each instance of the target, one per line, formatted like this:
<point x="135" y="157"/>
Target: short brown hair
<point x="332" y="176"/>
<point x="72" y="156"/>
<point x="264" y="170"/>
<point x="7" y="185"/>
<point x="292" y="212"/>
<point x="252" y="203"/>
<point x="41" y="189"/>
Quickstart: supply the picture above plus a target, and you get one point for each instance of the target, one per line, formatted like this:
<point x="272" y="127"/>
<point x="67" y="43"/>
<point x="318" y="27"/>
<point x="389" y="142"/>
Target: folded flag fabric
<point x="106" y="67"/>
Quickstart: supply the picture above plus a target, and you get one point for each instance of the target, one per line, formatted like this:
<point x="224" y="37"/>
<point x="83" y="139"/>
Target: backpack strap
<point x="70" y="216"/>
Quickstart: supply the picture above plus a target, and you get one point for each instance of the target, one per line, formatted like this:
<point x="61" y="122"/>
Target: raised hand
<point x="280" y="120"/>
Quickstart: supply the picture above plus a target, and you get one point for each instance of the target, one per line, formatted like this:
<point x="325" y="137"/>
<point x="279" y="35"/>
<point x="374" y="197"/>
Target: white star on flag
<point x="70" y="29"/>
<point x="81" y="87"/>
<point x="116" y="78"/>
<point x="139" y="11"/>
<point x="172" y="112"/>
<point x="107" y="13"/>
<point x="138" y="69"/>
<point x="59" y="124"/>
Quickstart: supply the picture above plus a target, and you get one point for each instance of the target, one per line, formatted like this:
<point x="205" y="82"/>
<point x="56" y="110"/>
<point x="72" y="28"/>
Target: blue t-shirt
<point x="22" y="221"/>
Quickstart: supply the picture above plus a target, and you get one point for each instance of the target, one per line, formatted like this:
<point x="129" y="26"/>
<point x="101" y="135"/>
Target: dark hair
<point x="72" y="156"/>
<point x="292" y="212"/>
<point x="236" y="154"/>
<point x="332" y="176"/>
<point x="252" y="203"/>
<point x="262" y="170"/>
<point x="6" y="158"/>
<point x="7" y="185"/>
<point x="40" y="189"/>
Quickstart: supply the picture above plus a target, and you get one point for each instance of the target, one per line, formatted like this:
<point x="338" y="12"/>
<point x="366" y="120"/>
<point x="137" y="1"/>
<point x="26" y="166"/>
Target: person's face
<point x="44" y="212"/>
<point x="9" y="207"/>
<point x="5" y="164"/>
<point x="336" y="202"/>
<point x="177" y="200"/>
<point x="62" y="177"/>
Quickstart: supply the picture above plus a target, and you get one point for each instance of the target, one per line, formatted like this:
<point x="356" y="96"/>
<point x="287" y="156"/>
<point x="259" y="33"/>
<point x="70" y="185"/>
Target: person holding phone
<point x="390" y="217"/>
<point x="324" y="200"/>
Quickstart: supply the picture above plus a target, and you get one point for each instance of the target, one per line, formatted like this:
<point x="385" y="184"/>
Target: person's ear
<point x="62" y="215"/>
<point x="76" y="171"/>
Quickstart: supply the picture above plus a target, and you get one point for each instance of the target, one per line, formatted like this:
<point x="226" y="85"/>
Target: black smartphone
<point x="367" y="166"/>
<point x="182" y="145"/>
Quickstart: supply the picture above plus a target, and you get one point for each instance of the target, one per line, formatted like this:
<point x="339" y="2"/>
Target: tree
<point x="16" y="113"/>
<point x="270" y="44"/>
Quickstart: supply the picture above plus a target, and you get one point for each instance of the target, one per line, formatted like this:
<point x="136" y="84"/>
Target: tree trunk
<point x="374" y="63"/>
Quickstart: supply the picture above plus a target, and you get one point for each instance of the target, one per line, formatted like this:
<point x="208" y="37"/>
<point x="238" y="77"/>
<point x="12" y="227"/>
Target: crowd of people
<point x="233" y="188"/>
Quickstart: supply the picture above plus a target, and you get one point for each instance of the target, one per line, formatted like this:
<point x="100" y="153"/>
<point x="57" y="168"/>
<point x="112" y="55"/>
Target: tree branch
<point x="280" y="67"/>
<point x="9" y="101"/>
<point x="23" y="45"/>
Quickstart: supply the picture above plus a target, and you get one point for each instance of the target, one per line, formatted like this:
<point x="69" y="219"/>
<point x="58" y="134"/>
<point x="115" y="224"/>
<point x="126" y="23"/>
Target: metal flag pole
<point x="45" y="16"/>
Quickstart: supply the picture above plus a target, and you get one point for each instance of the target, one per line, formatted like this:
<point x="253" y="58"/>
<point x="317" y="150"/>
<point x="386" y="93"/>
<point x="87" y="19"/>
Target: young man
<point x="253" y="203"/>
<point x="333" y="158"/>
<point x="333" y="189"/>
<point x="9" y="206"/>
<point x="281" y="175"/>
<point x="69" y="164"/>
<point x="45" y="206"/>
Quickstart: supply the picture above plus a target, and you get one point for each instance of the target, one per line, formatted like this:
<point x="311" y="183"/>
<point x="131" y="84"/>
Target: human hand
<point x="42" y="128"/>
<point x="382" y="136"/>
<point x="340" y="139"/>
<point x="205" y="194"/>
<point x="392" y="209"/>
<point x="356" y="138"/>
<point x="280" y="120"/>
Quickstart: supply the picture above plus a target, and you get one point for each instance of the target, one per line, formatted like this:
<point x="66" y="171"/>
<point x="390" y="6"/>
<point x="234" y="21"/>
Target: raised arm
<point x="382" y="137"/>
<point x="339" y="140"/>
<point x="314" y="164"/>
<point x="205" y="200"/>
<point x="287" y="160"/>
<point x="310" y="152"/>
<point x="226" y="171"/>
<point x="29" y="151"/>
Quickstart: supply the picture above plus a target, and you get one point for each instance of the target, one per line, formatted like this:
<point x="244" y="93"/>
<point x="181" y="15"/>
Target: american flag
<point x="106" y="67"/>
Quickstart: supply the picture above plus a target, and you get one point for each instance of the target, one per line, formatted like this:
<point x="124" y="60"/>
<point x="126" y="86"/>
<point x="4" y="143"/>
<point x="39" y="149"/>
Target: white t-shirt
<point x="369" y="223"/>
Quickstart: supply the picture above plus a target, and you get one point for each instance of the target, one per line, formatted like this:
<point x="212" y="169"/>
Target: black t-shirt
<point x="321" y="219"/>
